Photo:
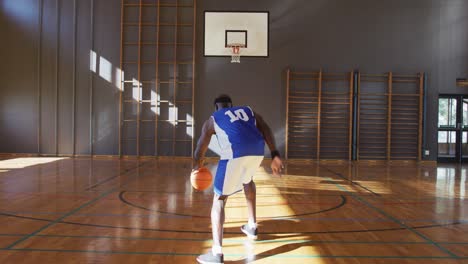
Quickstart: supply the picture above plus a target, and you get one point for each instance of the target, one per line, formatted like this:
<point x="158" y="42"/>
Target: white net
<point x="235" y="52"/>
<point x="235" y="58"/>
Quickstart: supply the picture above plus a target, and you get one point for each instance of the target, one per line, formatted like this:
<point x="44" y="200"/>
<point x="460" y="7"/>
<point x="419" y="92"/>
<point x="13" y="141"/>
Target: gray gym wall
<point x="336" y="35"/>
<point x="23" y="46"/>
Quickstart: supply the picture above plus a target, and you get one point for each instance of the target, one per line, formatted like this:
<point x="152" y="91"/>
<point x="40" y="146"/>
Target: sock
<point x="217" y="250"/>
<point x="252" y="224"/>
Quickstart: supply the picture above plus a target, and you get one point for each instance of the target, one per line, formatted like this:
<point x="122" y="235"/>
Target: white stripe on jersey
<point x="223" y="141"/>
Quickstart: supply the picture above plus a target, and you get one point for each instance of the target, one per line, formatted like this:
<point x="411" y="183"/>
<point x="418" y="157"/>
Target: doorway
<point x="453" y="128"/>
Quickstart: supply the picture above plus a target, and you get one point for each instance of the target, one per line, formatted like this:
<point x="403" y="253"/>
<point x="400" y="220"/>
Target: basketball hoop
<point x="235" y="53"/>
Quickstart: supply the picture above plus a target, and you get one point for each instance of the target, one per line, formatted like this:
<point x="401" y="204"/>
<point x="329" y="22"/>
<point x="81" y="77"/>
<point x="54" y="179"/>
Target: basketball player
<point x="241" y="135"/>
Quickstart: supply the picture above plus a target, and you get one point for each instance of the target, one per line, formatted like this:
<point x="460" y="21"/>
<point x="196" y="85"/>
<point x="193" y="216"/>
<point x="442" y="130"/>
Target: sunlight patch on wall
<point x="119" y="77"/>
<point x="93" y="61"/>
<point x="136" y="89"/>
<point x="155" y="97"/>
<point x="173" y="114"/>
<point x="189" y="129"/>
<point x="105" y="69"/>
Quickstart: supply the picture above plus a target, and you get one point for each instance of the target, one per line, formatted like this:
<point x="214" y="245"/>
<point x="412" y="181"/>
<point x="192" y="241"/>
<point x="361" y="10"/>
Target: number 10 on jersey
<point x="239" y="114"/>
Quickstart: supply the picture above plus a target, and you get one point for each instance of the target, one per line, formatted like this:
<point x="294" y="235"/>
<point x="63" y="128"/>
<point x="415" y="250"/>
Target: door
<point x="453" y="128"/>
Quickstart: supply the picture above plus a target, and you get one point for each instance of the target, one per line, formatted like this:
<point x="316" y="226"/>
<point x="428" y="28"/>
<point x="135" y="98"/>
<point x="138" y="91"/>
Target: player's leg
<point x="251" y="165"/>
<point x="217" y="222"/>
<point x="250" y="191"/>
<point x="215" y="255"/>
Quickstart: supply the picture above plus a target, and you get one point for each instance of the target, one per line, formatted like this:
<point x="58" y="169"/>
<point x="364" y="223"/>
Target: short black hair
<point x="223" y="98"/>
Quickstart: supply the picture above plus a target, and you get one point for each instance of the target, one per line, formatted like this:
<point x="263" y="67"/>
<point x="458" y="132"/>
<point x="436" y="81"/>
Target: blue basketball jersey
<point x="237" y="133"/>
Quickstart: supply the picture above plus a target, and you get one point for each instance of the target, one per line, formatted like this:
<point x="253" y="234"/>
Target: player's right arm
<point x="203" y="142"/>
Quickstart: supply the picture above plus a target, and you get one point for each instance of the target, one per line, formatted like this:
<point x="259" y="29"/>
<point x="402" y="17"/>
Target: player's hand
<point x="277" y="166"/>
<point x="196" y="165"/>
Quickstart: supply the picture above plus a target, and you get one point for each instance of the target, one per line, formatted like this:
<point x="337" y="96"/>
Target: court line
<point x="313" y="192"/>
<point x="122" y="198"/>
<point x="276" y="256"/>
<point x="72" y="211"/>
<point x="330" y="219"/>
<point x="209" y="232"/>
<point x="262" y="195"/>
<point x="352" y="182"/>
<point x="108" y="179"/>
<point x="271" y="203"/>
<point x="355" y="196"/>
<point x="238" y="241"/>
<point x="242" y="241"/>
<point x="57" y="220"/>
<point x="101" y="182"/>
<point x="236" y="233"/>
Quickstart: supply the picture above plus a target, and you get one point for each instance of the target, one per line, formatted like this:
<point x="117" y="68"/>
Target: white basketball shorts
<point x="233" y="173"/>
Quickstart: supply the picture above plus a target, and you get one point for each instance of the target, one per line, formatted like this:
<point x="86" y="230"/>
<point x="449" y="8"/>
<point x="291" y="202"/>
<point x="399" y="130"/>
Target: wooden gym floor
<point x="145" y="211"/>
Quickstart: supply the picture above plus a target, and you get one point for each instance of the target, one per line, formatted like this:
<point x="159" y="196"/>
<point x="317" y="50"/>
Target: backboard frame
<point x="237" y="29"/>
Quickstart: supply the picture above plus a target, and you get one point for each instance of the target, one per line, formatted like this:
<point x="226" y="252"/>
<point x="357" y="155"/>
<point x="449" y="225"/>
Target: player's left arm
<point x="276" y="162"/>
<point x="203" y="142"/>
<point x="266" y="132"/>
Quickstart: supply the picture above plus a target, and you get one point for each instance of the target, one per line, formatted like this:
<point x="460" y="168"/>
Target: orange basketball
<point x="201" y="179"/>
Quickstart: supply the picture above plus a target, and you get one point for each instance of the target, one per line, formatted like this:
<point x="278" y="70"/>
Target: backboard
<point x="250" y="29"/>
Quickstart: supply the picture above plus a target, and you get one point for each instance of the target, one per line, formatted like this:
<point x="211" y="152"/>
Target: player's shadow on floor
<point x="269" y="253"/>
<point x="267" y="233"/>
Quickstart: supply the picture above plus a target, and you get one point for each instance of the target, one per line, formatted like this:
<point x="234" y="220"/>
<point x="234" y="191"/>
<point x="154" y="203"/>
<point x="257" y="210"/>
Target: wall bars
<point x="353" y="116"/>
<point x="319" y="115"/>
<point x="157" y="90"/>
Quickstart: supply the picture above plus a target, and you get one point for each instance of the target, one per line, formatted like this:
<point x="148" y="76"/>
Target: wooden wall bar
<point x="407" y="112"/>
<point x="319" y="116"/>
<point x="303" y="115"/>
<point x="390" y="116"/>
<point x="373" y="117"/>
<point x="336" y="116"/>
<point x="158" y="66"/>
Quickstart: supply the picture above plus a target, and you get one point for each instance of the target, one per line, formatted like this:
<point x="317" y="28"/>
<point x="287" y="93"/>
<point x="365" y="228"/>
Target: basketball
<point x="201" y="179"/>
